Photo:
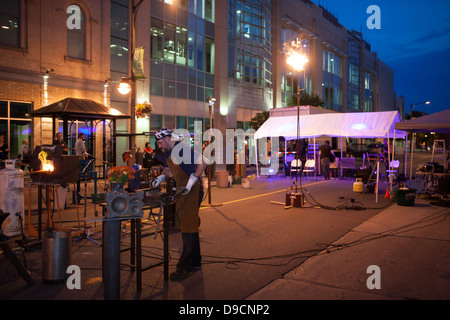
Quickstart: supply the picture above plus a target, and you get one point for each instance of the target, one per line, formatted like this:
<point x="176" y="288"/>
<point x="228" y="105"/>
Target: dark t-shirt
<point x="325" y="151"/>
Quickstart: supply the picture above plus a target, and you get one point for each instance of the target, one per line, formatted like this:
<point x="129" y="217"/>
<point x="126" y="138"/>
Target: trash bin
<point x="222" y="179"/>
<point x="56" y="256"/>
<point x="405" y="196"/>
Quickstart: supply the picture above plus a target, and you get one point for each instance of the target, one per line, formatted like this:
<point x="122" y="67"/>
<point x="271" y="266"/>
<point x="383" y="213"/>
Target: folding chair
<point x="296" y="166"/>
<point x="310" y="166"/>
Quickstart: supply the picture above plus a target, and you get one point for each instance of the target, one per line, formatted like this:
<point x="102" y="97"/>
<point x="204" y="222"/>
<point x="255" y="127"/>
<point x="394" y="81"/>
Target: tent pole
<point x="315" y="162"/>
<point x="412" y="155"/>
<point x="406" y="154"/>
<point x="342" y="146"/>
<point x="257" y="157"/>
<point x="378" y="181"/>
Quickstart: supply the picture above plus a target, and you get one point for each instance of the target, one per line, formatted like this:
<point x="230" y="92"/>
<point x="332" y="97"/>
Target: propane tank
<point x="12" y="198"/>
<point x="358" y="185"/>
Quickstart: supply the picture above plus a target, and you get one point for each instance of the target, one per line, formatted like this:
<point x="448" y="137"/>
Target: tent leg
<point x="412" y="155"/>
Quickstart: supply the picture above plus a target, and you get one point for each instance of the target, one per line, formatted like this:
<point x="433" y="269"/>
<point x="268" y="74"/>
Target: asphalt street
<point x="247" y="239"/>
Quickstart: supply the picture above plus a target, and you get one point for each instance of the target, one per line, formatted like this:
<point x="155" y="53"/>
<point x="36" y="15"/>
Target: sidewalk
<point x="410" y="245"/>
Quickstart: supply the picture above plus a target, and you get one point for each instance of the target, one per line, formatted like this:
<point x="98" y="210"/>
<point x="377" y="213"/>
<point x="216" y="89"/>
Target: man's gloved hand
<point x="158" y="180"/>
<point x="192" y="180"/>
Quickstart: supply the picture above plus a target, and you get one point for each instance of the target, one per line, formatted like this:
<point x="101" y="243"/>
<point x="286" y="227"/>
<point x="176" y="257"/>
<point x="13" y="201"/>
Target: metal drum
<point x="56" y="256"/>
<point x="12" y="198"/>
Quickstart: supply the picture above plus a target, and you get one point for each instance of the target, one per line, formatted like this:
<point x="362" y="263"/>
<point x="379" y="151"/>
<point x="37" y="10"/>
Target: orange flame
<point x="47" y="165"/>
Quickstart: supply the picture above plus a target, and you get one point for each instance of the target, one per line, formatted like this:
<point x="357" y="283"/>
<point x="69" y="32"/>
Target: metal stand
<point x="8" y="253"/>
<point x="377" y="168"/>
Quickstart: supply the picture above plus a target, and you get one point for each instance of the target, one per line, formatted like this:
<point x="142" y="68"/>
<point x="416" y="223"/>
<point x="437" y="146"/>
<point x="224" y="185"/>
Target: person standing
<point x="60" y="142"/>
<point x="325" y="153"/>
<point x="24" y="154"/>
<point x="4" y="150"/>
<point x="188" y="203"/>
<point x="80" y="147"/>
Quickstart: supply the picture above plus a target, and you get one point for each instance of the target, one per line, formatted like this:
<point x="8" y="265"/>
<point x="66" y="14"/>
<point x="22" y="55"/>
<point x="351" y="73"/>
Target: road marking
<point x="261" y="195"/>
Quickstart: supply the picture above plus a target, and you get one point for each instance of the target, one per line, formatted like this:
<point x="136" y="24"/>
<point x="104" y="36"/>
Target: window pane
<point x="209" y="55"/>
<point x="155" y="122"/>
<point x="20" y="130"/>
<point x="75" y="44"/>
<point x="4" y="109"/>
<point x="19" y="110"/>
<point x="169" y="42"/>
<point x="156" y="39"/>
<point x="209" y="10"/>
<point x="192" y="92"/>
<point x="181" y="122"/>
<point x="119" y="21"/>
<point x="76" y="39"/>
<point x="181" y="90"/>
<point x="169" y="88"/>
<point x="156" y="87"/>
<point x="192" y="77"/>
<point x="200" y="94"/>
<point x="169" y="121"/>
<point x="200" y="78"/>
<point x="156" y="68"/>
<point x="119" y="55"/>
<point x="191" y="49"/>
<point x="181" y="46"/>
<point x="200" y="51"/>
<point x="10" y="23"/>
<point x="169" y="71"/>
<point x="9" y="31"/>
<point x="181" y="74"/>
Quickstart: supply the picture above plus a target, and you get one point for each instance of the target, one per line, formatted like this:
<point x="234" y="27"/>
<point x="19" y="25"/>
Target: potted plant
<point x="118" y="176"/>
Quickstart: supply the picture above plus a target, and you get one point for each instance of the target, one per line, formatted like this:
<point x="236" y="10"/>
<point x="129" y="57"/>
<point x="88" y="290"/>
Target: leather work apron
<point x="187" y="206"/>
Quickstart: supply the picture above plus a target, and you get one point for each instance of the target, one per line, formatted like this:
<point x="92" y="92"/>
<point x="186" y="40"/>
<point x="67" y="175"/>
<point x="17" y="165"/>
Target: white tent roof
<point x="355" y="125"/>
<point x="437" y="122"/>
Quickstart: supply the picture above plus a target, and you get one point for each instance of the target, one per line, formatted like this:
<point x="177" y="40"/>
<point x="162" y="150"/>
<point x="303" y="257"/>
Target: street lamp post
<point x="211" y="101"/>
<point x="128" y="85"/>
<point x="297" y="60"/>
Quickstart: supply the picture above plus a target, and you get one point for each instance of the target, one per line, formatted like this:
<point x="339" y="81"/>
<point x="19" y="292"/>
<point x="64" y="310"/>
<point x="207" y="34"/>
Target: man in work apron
<point x="187" y="204"/>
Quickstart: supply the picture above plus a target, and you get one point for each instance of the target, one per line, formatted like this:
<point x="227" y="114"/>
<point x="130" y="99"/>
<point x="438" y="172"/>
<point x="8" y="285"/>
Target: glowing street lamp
<point x="124" y="86"/>
<point x="297" y="59"/>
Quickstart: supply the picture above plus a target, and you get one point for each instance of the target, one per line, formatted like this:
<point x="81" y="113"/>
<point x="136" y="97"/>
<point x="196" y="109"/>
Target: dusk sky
<point x="414" y="40"/>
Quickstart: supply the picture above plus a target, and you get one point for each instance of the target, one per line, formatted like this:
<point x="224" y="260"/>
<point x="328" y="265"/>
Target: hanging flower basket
<point x="143" y="110"/>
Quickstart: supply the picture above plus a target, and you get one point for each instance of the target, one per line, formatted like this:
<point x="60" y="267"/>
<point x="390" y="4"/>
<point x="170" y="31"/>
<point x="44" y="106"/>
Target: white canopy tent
<point x="355" y="125"/>
<point x="436" y="122"/>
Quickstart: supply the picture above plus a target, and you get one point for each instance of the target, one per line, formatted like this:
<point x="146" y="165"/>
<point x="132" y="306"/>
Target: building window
<point x="249" y="41"/>
<point x="10" y="23"/>
<point x="15" y="125"/>
<point x="169" y="42"/>
<point x="332" y="81"/>
<point x="181" y="54"/>
<point x="76" y="35"/>
<point x="368" y="92"/>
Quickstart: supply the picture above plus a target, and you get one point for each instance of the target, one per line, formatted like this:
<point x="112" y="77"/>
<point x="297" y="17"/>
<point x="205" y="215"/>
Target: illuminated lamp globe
<point x="297" y="61"/>
<point x="124" y="88"/>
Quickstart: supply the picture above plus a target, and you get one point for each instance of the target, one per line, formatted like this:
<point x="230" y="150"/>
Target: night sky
<point x="414" y="40"/>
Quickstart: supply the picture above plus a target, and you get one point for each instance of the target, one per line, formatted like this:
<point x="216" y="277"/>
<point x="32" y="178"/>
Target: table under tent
<point x="349" y="125"/>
